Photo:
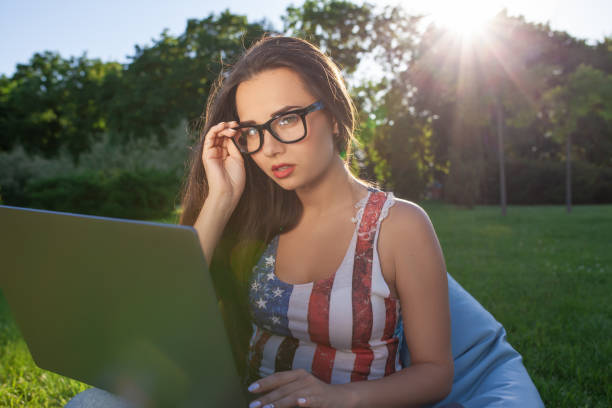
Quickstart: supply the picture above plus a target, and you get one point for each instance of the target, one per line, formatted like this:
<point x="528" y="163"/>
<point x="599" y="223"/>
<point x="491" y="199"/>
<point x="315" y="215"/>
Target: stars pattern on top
<point x="270" y="260"/>
<point x="267" y="295"/>
<point x="261" y="303"/>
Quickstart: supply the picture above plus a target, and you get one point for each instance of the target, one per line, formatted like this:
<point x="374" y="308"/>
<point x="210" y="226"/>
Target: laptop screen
<point x="126" y="306"/>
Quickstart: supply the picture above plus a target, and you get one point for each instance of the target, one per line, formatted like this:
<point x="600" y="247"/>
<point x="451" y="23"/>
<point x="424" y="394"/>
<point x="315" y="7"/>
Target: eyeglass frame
<point x="302" y="112"/>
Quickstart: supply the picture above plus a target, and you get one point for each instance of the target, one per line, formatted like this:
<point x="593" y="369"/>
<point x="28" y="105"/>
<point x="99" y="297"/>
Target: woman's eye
<point x="288" y="120"/>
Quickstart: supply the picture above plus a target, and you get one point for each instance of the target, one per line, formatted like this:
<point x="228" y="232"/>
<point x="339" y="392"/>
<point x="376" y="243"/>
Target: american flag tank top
<point x="341" y="329"/>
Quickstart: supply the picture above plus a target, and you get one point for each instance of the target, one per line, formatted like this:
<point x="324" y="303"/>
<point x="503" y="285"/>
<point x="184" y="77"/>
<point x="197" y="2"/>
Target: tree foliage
<point x="53" y="102"/>
<point x="427" y="103"/>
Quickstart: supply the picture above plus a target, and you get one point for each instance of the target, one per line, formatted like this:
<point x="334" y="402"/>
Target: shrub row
<point x="144" y="195"/>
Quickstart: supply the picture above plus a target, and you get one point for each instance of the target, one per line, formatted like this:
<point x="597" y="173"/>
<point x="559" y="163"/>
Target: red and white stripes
<point x="341" y="328"/>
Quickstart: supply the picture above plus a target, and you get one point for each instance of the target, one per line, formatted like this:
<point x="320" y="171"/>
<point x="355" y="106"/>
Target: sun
<point x="467" y="19"/>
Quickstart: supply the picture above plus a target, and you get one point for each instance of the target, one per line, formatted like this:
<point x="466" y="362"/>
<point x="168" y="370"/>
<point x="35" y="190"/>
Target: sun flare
<point x="467" y="18"/>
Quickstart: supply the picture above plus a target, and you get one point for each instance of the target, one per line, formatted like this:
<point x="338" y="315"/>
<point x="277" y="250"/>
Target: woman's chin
<point x="286" y="185"/>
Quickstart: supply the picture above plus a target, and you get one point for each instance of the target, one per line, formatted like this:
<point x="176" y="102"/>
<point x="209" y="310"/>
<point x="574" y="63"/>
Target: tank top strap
<point x="366" y="264"/>
<point x="362" y="279"/>
<point x="369" y="220"/>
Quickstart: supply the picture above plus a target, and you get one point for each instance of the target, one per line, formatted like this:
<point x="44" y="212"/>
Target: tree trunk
<point x="568" y="175"/>
<point x="500" y="153"/>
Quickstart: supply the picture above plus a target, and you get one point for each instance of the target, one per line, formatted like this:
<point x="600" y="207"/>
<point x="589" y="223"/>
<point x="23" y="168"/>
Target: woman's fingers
<point x="220" y="129"/>
<point x="281" y="388"/>
<point x="210" y="140"/>
<point x="225" y="172"/>
<point x="289" y="401"/>
<point x="284" y="396"/>
<point x="216" y="140"/>
<point x="229" y="149"/>
<point x="275" y="380"/>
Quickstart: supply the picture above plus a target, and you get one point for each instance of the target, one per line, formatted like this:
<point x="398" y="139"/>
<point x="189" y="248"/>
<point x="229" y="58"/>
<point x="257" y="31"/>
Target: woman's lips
<point x="283" y="171"/>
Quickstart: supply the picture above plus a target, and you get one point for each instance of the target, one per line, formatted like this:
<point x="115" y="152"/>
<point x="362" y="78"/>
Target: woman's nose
<point x="271" y="146"/>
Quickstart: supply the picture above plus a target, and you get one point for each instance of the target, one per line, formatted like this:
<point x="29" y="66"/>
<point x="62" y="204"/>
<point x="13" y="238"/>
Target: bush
<point x="17" y="169"/>
<point x="121" y="194"/>
<point x="24" y="177"/>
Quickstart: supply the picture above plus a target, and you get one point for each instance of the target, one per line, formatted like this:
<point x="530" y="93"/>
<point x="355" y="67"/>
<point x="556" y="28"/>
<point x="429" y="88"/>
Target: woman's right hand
<point x="223" y="163"/>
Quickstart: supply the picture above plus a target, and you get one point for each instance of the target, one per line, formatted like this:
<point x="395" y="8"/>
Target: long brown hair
<point x="264" y="209"/>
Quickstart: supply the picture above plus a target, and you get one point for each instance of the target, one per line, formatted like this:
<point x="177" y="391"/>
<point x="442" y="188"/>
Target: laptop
<point x="126" y="306"/>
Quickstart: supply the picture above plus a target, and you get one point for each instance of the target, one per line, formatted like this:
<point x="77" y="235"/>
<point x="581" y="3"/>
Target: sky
<point x="110" y="29"/>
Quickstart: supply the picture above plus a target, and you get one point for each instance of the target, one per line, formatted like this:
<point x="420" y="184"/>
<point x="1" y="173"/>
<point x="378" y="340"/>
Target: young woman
<point x="315" y="268"/>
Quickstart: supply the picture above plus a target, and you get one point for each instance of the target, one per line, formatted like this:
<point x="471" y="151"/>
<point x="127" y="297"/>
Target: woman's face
<point x="309" y="159"/>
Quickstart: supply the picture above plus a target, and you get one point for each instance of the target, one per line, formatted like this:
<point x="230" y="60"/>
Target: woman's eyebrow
<point x="281" y="110"/>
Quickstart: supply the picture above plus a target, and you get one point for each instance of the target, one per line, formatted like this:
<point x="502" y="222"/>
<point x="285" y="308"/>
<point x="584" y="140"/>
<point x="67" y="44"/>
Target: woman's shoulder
<point x="407" y="219"/>
<point x="409" y="242"/>
<point x="405" y="211"/>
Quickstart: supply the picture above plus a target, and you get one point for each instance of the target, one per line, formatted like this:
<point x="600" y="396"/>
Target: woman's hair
<point x="264" y="207"/>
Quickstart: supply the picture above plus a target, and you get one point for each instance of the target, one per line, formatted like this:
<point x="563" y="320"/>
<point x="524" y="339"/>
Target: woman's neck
<point x="336" y="191"/>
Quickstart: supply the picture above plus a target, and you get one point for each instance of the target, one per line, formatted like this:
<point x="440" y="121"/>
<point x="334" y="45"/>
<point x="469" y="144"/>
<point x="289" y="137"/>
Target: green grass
<point x="543" y="273"/>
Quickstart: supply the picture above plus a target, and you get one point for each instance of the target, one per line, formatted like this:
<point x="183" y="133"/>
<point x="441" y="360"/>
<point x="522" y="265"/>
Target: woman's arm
<point x="422" y="287"/>
<point x="211" y="222"/>
<point x="226" y="176"/>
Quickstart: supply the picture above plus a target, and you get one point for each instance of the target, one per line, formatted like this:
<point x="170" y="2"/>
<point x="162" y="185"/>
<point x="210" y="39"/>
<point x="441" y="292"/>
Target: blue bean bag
<point x="488" y="371"/>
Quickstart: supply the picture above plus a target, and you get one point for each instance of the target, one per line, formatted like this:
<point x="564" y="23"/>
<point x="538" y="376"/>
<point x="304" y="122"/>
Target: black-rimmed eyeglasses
<point x="286" y="127"/>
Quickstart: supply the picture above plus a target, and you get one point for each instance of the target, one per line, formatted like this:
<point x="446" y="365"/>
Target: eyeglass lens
<point x="288" y="128"/>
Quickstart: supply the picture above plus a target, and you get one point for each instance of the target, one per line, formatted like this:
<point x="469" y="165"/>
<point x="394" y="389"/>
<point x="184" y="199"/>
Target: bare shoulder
<point x="407" y="217"/>
<point x="411" y="237"/>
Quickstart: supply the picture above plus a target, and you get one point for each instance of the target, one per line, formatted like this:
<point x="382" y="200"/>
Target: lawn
<point x="543" y="273"/>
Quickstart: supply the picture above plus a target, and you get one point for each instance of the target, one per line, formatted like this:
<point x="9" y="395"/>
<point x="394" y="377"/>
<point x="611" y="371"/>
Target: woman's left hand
<point x="299" y="388"/>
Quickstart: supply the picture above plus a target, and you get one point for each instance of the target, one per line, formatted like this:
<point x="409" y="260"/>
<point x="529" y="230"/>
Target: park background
<point x="501" y="130"/>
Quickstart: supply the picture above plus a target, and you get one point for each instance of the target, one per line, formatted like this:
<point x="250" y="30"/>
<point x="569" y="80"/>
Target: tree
<point x="340" y="28"/>
<point x="476" y="87"/>
<point x="52" y="103"/>
<point x="587" y="93"/>
<point x="351" y="34"/>
<point x="170" y="80"/>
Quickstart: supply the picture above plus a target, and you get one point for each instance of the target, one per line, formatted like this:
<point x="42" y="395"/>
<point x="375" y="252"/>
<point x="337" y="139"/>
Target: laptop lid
<point x="126" y="306"/>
